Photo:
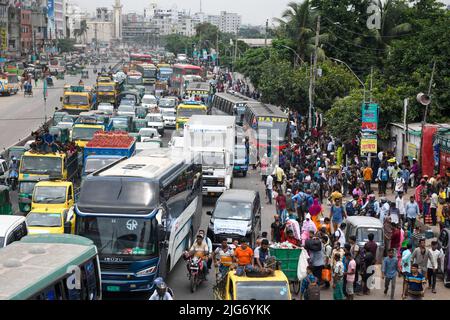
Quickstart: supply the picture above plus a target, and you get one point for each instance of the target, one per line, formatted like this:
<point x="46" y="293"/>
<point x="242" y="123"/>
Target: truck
<point x="110" y="144"/>
<point x="37" y="166"/>
<point x="212" y="140"/>
<point x="77" y="99"/>
<point x="9" y="84"/>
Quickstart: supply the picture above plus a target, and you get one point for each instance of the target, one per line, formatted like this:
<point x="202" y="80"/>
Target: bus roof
<point x="260" y="109"/>
<point x="187" y="105"/>
<point x="198" y="86"/>
<point x="30" y="265"/>
<point x="186" y="66"/>
<point x="208" y="121"/>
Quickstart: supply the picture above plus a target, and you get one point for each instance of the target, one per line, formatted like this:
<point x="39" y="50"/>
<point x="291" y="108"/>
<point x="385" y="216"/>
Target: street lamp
<point x="295" y="52"/>
<point x="362" y="83"/>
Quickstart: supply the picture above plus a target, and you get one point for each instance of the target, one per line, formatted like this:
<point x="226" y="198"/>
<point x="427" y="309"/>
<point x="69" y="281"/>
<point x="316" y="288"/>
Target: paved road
<point x="20" y="115"/>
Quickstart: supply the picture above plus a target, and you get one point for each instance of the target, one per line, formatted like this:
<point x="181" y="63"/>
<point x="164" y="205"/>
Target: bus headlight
<point x="146" y="272"/>
<point x="221" y="182"/>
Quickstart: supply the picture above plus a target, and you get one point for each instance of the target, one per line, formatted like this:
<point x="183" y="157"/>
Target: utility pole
<point x="267" y="31"/>
<point x="96" y="40"/>
<point x="314" y="75"/>
<point x="235" y="52"/>
<point x="426" y="112"/>
<point x="371" y="81"/>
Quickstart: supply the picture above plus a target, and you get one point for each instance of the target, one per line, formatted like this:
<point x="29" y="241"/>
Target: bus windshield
<point x="93" y="165"/>
<point x="105" y="88"/>
<point x="265" y="128"/>
<point x="187" y="113"/>
<point x="76" y="100"/>
<point x="149" y="73"/>
<point x="41" y="165"/>
<point x="84" y="134"/>
<point x="134" y="80"/>
<point x="167" y="103"/>
<point x="49" y="195"/>
<point x="118" y="236"/>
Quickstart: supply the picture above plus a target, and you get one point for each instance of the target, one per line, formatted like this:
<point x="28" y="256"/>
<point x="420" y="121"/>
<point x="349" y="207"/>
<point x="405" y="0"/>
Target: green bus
<point x="50" y="267"/>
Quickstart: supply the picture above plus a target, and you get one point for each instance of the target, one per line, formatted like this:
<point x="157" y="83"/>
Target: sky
<point x="254" y="12"/>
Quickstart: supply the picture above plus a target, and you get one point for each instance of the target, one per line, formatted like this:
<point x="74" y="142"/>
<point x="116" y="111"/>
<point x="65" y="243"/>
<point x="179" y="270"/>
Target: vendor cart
<point x="288" y="261"/>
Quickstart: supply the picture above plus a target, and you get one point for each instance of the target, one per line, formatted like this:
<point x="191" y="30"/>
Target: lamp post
<point x="348" y="67"/>
<point x="295" y="52"/>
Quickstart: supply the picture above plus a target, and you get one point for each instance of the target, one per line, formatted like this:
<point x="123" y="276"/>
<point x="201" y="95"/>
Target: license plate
<point x="113" y="288"/>
<point x="212" y="193"/>
<point x="229" y="240"/>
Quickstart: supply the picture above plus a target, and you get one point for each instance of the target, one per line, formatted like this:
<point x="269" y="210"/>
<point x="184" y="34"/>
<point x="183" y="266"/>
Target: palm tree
<point x="82" y="30"/>
<point x="298" y="25"/>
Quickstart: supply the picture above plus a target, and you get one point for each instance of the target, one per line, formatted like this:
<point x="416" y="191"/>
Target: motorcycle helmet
<point x="161" y="288"/>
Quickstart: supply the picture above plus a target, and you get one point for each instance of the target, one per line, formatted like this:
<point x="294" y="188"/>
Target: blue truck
<point x="96" y="157"/>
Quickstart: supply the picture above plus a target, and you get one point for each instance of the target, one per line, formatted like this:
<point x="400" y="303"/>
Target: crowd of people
<point x="318" y="182"/>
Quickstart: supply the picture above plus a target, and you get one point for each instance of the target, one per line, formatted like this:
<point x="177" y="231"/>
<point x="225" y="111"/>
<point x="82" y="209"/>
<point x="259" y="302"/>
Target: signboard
<point x="369" y="144"/>
<point x="412" y="150"/>
<point x="51" y="26"/>
<point x="3" y="39"/>
<point x="369" y="117"/>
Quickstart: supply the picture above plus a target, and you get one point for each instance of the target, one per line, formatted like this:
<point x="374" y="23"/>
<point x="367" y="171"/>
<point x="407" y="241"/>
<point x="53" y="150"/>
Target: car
<point x="106" y="108"/>
<point x="155" y="120"/>
<point x="236" y="216"/>
<point x="149" y="102"/>
<point x="126" y="110"/>
<point x="12" y="228"/>
<point x="169" y="117"/>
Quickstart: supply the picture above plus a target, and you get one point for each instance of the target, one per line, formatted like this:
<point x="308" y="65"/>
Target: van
<point x="361" y="227"/>
<point x="12" y="228"/>
<point x="236" y="216"/>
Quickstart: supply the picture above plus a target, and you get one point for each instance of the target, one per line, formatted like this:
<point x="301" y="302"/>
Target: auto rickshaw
<point x="141" y="112"/>
<point x="5" y="201"/>
<point x="84" y="74"/>
<point x="62" y="134"/>
<point x="139" y="124"/>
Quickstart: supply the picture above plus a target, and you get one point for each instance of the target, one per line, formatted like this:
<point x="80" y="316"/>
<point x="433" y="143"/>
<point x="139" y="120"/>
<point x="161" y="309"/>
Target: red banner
<point x="427" y="150"/>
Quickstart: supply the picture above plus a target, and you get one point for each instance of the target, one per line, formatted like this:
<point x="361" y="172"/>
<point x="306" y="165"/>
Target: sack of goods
<point x="313" y="245"/>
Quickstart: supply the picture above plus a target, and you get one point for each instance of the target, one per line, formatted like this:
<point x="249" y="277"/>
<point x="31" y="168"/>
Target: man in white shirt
<point x="340" y="235"/>
<point x="269" y="188"/>
<point x="399" y="183"/>
<point x="384" y="210"/>
<point x="436" y="256"/>
<point x="400" y="204"/>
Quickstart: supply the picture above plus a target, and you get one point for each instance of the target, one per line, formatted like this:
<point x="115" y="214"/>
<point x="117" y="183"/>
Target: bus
<point x="268" y="125"/>
<point x="233" y="104"/>
<point x="50" y="267"/>
<point x="199" y="89"/>
<point x="136" y="58"/>
<point x="181" y="70"/>
<point x="149" y="73"/>
<point x="134" y="78"/>
<point x="142" y="213"/>
<point x="187" y="109"/>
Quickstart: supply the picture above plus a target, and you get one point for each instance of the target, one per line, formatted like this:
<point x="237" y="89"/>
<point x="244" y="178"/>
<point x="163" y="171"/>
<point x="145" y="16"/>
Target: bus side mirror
<point x="209" y="213"/>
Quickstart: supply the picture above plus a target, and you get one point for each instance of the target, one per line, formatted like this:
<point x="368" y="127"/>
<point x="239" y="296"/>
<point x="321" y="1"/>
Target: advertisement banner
<point x="3" y="39"/>
<point x="369" y="144"/>
<point x="444" y="162"/>
<point x="428" y="150"/>
<point x="412" y="151"/>
<point x="51" y="27"/>
<point x="369" y="117"/>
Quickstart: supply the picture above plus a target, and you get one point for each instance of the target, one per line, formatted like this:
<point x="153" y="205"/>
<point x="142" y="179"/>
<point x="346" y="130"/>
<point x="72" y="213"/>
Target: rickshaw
<point x="62" y="134"/>
<point x="141" y="112"/>
<point x="28" y="89"/>
<point x="139" y="124"/>
<point x="84" y="74"/>
<point x="5" y="201"/>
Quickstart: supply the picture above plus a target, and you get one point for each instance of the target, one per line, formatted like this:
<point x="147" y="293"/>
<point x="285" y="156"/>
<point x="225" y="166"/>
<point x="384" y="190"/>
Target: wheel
<point x="193" y="284"/>
<point x="244" y="174"/>
<point x="295" y="286"/>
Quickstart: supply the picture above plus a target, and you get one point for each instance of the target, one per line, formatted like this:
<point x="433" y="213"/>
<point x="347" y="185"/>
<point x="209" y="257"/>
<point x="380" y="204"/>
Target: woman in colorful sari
<point x="315" y="210"/>
<point x="307" y="226"/>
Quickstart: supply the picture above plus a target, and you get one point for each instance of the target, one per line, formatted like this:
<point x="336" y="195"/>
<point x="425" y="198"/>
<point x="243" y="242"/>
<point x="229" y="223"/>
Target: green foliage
<point x="66" y="45"/>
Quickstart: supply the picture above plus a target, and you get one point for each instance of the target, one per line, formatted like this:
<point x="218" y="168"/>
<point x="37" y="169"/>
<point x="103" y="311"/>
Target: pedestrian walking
<point x="338" y="276"/>
<point x="350" y="276"/>
<point x="337" y="214"/>
<point x="421" y="256"/>
<point x="389" y="271"/>
<point x="436" y="256"/>
<point x="413" y="284"/>
<point x="269" y="189"/>
<point x="412" y="211"/>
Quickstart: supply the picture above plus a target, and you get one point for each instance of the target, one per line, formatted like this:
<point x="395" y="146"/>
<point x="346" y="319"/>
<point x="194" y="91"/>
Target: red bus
<point x="136" y="58"/>
<point x="180" y="70"/>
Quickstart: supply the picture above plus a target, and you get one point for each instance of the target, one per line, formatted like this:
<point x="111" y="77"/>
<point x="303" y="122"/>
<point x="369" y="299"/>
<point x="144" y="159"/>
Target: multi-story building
<point x="101" y="27"/>
<point x="39" y="23"/>
<point x="4" y="4"/>
<point x="74" y="17"/>
<point x="14" y="31"/>
<point x="26" y="31"/>
<point x="60" y="21"/>
<point x="186" y="26"/>
<point x="229" y="22"/>
<point x="138" y="29"/>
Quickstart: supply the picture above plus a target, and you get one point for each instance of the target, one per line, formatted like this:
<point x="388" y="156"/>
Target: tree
<point x="66" y="45"/>
<point x="82" y="31"/>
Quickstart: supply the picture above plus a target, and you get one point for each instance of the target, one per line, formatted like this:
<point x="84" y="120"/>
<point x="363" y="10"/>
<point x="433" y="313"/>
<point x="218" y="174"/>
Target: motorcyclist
<point x="161" y="292"/>
<point x="169" y="290"/>
<point x="13" y="171"/>
<point x="208" y="241"/>
<point x="200" y="250"/>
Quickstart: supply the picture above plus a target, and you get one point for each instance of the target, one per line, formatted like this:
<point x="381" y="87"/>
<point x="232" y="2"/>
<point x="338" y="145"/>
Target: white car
<point x="12" y="228"/>
<point x="156" y="121"/>
<point x="149" y="102"/>
<point x="125" y="110"/>
<point x="169" y="117"/>
<point x="106" y="108"/>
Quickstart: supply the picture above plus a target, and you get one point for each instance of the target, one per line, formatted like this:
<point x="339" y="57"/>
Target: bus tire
<point x="244" y="174"/>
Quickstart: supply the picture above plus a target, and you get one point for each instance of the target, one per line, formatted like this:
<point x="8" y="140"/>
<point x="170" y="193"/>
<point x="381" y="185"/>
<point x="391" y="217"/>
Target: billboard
<point x="369" y="117"/>
<point x="369" y="144"/>
<point x="3" y="39"/>
<point x="51" y="27"/>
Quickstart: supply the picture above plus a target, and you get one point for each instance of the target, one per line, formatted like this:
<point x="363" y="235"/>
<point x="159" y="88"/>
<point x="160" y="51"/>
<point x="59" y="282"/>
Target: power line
<point x="354" y="44"/>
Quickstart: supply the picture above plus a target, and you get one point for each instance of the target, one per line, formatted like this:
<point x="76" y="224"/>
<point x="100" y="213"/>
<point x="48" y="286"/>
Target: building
<point x="101" y="26"/>
<point x="39" y="22"/>
<point x="26" y="31"/>
<point x="74" y="17"/>
<point x="137" y="29"/>
<point x="186" y="26"/>
<point x="229" y="22"/>
<point x="117" y="21"/>
<point x="60" y="21"/>
<point x="4" y="4"/>
<point x="14" y="49"/>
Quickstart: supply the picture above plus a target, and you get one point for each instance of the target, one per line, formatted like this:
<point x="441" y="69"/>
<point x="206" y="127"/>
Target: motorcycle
<point x="195" y="275"/>
<point x="13" y="179"/>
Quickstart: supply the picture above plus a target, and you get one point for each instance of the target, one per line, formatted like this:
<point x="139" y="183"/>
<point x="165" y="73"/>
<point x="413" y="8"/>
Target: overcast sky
<point x="253" y="11"/>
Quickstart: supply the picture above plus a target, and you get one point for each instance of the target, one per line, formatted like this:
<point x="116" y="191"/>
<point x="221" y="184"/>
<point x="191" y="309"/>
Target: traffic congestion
<point x="138" y="173"/>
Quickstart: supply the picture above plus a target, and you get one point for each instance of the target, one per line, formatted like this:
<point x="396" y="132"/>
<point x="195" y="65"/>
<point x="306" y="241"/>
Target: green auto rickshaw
<point x="62" y="134"/>
<point x="139" y="124"/>
<point x="5" y="201"/>
<point x="141" y="112"/>
<point x="26" y="188"/>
